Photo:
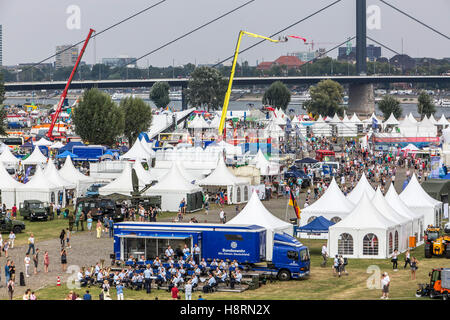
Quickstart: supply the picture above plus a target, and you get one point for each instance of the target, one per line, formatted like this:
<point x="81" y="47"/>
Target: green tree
<point x="159" y="94"/>
<point x="425" y="105"/>
<point x="206" y="88"/>
<point x="390" y="105"/>
<point x="326" y="98"/>
<point x="278" y="95"/>
<point x="2" y="110"/>
<point x="138" y="117"/>
<point x="97" y="119"/>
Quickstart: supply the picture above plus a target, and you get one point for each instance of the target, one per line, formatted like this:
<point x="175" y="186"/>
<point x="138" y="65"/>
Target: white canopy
<point x="411" y="118"/>
<point x="413" y="228"/>
<point x="221" y="176"/>
<point x="70" y="173"/>
<point x="443" y="121"/>
<point x="57" y="145"/>
<point x="137" y="151"/>
<point x="335" y="119"/>
<point x="410" y="147"/>
<point x="362" y="186"/>
<point x="255" y="213"/>
<point x="142" y="174"/>
<point x="43" y="142"/>
<point x="266" y="167"/>
<point x="355" y="119"/>
<point x="215" y="122"/>
<point x="391" y="120"/>
<point x="363" y="233"/>
<point x="432" y="119"/>
<point x="53" y="175"/>
<point x="8" y="158"/>
<point x="123" y="184"/>
<point x="332" y="205"/>
<point x="8" y="187"/>
<point x="419" y="201"/>
<point x="36" y="157"/>
<point x="198" y="123"/>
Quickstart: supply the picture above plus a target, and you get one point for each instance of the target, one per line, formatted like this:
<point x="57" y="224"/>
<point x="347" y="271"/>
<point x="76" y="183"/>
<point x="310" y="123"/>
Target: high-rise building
<point x="373" y="53"/>
<point x="121" y="61"/>
<point x="67" y="58"/>
<point x="1" y="46"/>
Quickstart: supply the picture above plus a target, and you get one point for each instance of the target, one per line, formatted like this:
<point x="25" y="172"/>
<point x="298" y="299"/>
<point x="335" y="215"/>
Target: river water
<point x="237" y="105"/>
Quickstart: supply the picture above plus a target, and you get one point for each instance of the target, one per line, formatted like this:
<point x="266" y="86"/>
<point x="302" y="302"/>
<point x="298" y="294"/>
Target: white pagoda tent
<point x="399" y="239"/>
<point x="332" y="205"/>
<point x="173" y="188"/>
<point x="419" y="201"/>
<point x="416" y="225"/>
<point x="137" y="151"/>
<point x="52" y="174"/>
<point x="215" y="122"/>
<point x="222" y="178"/>
<point x="443" y="121"/>
<point x="347" y="128"/>
<point x="363" y="233"/>
<point x="8" y="159"/>
<point x="38" y="188"/>
<point x="254" y="212"/>
<point x="198" y="123"/>
<point x="321" y="128"/>
<point x="70" y="173"/>
<point x="266" y="167"/>
<point x="391" y="121"/>
<point x="426" y="128"/>
<point x="8" y="186"/>
<point x="362" y="186"/>
<point x="35" y="158"/>
<point x="43" y="142"/>
<point x="122" y="184"/>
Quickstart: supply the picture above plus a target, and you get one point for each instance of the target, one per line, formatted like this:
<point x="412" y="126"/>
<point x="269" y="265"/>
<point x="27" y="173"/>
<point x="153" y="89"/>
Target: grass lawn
<point x="322" y="284"/>
<point x="42" y="230"/>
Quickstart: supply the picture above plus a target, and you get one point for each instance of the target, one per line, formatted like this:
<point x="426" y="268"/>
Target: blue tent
<point x="65" y="154"/>
<point x="318" y="225"/>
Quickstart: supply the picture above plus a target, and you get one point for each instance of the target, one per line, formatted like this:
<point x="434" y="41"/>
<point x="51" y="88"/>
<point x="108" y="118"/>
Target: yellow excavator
<point x="436" y="244"/>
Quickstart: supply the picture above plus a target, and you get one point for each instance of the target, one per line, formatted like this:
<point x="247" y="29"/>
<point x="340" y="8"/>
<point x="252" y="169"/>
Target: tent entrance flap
<point x="151" y="247"/>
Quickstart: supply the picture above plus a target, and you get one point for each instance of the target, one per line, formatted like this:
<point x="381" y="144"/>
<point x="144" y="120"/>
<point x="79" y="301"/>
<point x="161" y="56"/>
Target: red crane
<point x="64" y="93"/>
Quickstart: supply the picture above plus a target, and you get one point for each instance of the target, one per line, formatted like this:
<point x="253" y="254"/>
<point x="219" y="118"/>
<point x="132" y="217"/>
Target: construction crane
<point x="318" y="43"/>
<point x="66" y="89"/>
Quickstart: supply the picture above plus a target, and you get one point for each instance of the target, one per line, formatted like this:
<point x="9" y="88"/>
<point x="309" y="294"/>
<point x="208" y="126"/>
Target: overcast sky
<point x="32" y="29"/>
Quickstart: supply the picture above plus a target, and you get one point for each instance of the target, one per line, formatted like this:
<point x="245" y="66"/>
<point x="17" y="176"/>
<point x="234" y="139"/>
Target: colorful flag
<point x="293" y="203"/>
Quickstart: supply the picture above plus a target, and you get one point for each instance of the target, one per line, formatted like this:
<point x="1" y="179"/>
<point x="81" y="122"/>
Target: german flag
<point x="293" y="203"/>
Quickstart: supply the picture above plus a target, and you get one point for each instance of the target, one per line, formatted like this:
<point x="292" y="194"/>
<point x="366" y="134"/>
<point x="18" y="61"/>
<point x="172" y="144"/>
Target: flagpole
<point x="287" y="206"/>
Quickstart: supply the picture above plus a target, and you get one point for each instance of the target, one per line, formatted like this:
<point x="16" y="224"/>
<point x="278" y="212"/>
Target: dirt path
<point x="86" y="251"/>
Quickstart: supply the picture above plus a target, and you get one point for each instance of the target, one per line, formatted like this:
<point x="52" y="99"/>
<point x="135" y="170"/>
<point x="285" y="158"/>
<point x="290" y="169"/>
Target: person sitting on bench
<point x="210" y="285"/>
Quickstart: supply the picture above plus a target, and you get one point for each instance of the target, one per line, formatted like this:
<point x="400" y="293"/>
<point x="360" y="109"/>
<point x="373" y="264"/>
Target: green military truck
<point x="8" y="225"/>
<point x="35" y="210"/>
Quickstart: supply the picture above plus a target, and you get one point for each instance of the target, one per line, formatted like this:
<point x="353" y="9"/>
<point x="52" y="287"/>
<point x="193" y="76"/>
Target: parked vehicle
<point x="282" y="256"/>
<point x="8" y="225"/>
<point x="99" y="207"/>
<point x="35" y="210"/>
<point x="92" y="190"/>
<point x="439" y="286"/>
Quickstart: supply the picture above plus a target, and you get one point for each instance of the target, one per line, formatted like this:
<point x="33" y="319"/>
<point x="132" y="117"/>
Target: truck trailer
<point x="244" y="243"/>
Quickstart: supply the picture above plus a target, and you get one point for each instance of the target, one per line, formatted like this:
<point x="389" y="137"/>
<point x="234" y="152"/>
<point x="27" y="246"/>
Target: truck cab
<point x="290" y="257"/>
<point x="35" y="210"/>
<point x="8" y="225"/>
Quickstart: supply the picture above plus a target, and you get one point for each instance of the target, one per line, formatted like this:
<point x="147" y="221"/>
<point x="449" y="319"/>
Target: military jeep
<point x="8" y="225"/>
<point x="35" y="210"/>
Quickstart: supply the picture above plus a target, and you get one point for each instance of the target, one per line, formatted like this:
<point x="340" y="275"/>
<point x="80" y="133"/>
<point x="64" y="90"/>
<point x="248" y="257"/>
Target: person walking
<point x="11" y="286"/>
<point x="63" y="260"/>
<point x="62" y="238"/>
<point x="188" y="290"/>
<point x="385" y="283"/>
<point x="31" y="242"/>
<point x="394" y="260"/>
<point x="7" y="273"/>
<point x="36" y="261"/>
<point x="324" y="255"/>
<point x="27" y="261"/>
<point x="12" y="271"/>
<point x="46" y="261"/>
<point x="407" y="259"/>
<point x="12" y="237"/>
<point x="82" y="219"/>
<point x="111" y="227"/>
<point x="414" y="267"/>
<point x="68" y="238"/>
<point x="222" y="216"/>
<point x="77" y="218"/>
<point x="6" y="248"/>
<point x="99" y="229"/>
<point x="174" y="292"/>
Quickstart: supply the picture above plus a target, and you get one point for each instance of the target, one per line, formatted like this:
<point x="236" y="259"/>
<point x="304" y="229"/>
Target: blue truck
<point x="243" y="243"/>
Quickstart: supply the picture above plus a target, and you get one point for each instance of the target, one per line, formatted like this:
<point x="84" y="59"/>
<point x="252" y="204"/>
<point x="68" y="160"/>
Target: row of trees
<point x="389" y="104"/>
